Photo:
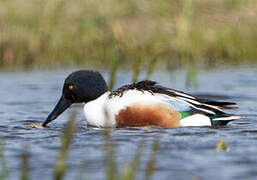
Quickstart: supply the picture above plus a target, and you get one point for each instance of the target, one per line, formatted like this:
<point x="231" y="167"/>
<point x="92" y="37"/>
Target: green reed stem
<point x="130" y="169"/>
<point x="114" y="67"/>
<point x="25" y="165"/>
<point x="191" y="77"/>
<point x="136" y="67"/>
<point x="4" y="171"/>
<point x="61" y="163"/>
<point x="151" y="68"/>
<point x="109" y="157"/>
<point x="152" y="161"/>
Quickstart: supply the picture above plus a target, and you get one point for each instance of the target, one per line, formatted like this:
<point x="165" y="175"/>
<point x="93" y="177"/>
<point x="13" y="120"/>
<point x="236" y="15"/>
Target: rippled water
<point x="185" y="153"/>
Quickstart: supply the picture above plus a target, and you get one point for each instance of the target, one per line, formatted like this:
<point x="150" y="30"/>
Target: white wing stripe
<point x="181" y="94"/>
<point x="189" y="100"/>
<point x="227" y="118"/>
<point x="184" y="101"/>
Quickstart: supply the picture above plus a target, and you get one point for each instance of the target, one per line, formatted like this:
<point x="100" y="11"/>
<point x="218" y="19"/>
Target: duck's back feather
<point x="208" y="106"/>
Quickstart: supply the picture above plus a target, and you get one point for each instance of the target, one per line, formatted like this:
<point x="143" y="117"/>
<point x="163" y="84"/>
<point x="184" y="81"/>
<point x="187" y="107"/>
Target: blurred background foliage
<point x="61" y="33"/>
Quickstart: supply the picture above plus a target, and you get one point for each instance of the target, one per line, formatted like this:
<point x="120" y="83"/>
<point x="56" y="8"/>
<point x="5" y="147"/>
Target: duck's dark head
<point x="80" y="86"/>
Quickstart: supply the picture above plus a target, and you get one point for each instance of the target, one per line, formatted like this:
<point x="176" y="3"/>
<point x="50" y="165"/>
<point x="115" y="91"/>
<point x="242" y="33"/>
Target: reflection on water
<point x="185" y="153"/>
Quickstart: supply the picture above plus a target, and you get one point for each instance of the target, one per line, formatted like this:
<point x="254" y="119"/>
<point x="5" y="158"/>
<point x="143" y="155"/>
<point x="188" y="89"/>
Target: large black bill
<point x="61" y="106"/>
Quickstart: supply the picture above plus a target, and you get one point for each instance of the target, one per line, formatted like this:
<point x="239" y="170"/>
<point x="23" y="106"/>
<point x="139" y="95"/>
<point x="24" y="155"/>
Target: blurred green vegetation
<point x="57" y="33"/>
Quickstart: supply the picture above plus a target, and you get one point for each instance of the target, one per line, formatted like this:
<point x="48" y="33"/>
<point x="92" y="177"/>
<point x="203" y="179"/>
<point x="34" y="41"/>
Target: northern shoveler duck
<point x="144" y="103"/>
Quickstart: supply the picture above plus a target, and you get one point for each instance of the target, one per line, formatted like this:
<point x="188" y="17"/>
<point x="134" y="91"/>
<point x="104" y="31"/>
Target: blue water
<point x="185" y="153"/>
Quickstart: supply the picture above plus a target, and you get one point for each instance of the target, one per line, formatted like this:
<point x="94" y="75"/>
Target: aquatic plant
<point x="152" y="161"/>
<point x="222" y="145"/>
<point x="109" y="149"/>
<point x="151" y="67"/>
<point x="24" y="167"/>
<point x="136" y="66"/>
<point x="61" y="162"/>
<point x="4" y="171"/>
<point x="115" y="63"/>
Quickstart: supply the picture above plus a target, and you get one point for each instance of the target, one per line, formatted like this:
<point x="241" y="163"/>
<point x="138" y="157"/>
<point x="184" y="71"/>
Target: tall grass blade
<point x="25" y="165"/>
<point x="61" y="163"/>
<point x="109" y="156"/>
<point x="151" y="68"/>
<point x="114" y="67"/>
<point x="4" y="171"/>
<point x="130" y="169"/>
<point x="152" y="161"/>
<point x="191" y="77"/>
<point x="136" y="67"/>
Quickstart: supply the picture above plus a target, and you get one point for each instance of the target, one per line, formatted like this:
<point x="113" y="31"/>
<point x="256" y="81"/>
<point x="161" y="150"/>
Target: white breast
<point x="96" y="114"/>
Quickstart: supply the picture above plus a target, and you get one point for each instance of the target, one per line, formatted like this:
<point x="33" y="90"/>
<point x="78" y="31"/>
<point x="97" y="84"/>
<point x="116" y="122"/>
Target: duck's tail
<point x="223" y="120"/>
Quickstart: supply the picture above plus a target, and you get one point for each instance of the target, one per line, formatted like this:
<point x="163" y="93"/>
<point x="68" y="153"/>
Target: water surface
<point x="185" y="153"/>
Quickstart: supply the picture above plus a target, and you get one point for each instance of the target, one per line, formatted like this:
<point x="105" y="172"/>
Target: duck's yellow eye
<point x="70" y="87"/>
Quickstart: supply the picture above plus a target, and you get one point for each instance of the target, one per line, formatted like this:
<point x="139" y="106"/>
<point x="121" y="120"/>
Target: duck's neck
<point x="96" y="112"/>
